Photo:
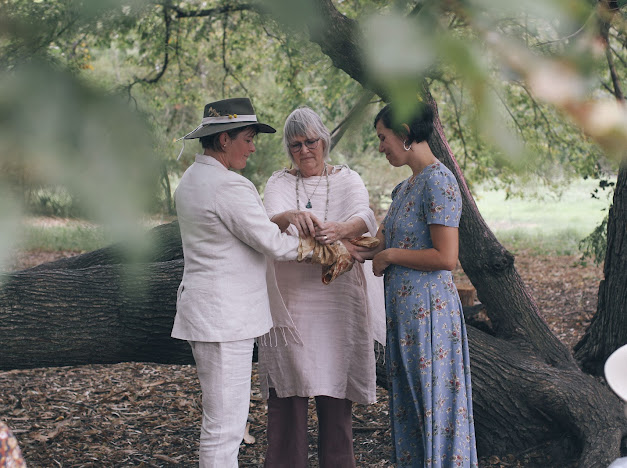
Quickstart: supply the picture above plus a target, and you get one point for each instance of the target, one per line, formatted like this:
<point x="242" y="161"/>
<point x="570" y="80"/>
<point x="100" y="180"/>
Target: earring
<point x="405" y="147"/>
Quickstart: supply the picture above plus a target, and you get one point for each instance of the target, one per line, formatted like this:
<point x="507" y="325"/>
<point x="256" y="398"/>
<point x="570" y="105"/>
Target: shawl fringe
<point x="288" y="334"/>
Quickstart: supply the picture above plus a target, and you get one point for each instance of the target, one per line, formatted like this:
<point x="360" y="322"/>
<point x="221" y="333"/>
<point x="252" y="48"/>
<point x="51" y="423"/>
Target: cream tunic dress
<point x="337" y="323"/>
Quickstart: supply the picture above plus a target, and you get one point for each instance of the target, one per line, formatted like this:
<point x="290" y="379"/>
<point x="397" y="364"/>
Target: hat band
<point x="228" y="119"/>
<point x="218" y="120"/>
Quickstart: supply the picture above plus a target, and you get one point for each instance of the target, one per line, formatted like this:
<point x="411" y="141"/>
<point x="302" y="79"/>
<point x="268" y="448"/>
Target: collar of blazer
<point x="209" y="160"/>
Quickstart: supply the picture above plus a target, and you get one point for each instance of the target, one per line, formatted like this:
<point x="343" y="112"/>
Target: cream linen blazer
<point x="228" y="241"/>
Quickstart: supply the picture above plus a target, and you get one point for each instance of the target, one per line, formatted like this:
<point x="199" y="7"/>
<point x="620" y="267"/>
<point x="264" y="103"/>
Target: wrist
<point x="342" y="231"/>
<point x="388" y="256"/>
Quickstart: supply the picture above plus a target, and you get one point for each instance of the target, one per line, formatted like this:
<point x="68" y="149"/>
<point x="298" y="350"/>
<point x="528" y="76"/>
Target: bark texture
<point x="608" y="330"/>
<point x="102" y="314"/>
<point x="164" y="244"/>
<point x="526" y="384"/>
<point x="541" y="390"/>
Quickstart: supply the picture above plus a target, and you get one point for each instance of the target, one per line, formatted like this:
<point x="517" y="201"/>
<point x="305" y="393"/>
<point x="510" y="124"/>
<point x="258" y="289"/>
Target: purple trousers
<point x="287" y="432"/>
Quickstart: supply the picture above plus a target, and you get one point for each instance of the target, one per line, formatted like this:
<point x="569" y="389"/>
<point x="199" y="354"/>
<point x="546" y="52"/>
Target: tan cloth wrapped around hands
<point x="334" y="258"/>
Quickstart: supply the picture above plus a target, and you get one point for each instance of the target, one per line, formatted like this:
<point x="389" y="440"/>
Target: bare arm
<point x="304" y="221"/>
<point x="368" y="254"/>
<point x="443" y="255"/>
<point x="334" y="230"/>
<point x="357" y="218"/>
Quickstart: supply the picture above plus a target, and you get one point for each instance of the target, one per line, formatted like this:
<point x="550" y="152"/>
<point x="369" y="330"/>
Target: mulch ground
<point x="148" y="415"/>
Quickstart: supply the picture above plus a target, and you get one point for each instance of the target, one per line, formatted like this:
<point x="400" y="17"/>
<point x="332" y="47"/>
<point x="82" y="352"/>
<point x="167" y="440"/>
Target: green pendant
<point x="308" y="205"/>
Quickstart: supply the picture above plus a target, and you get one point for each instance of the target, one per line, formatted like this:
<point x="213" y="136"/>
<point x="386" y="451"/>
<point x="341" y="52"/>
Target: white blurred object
<point x="616" y="374"/>
<point x="619" y="463"/>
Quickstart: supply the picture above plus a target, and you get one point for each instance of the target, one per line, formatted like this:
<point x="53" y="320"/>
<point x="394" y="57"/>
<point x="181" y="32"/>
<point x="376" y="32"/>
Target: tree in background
<point x="169" y="58"/>
<point x="608" y="330"/>
<point x="59" y="130"/>
<point x="521" y="371"/>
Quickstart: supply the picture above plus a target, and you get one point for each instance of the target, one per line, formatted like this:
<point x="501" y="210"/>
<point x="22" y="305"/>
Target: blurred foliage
<point x="79" y="78"/>
<point x="59" y="131"/>
<point x="594" y="245"/>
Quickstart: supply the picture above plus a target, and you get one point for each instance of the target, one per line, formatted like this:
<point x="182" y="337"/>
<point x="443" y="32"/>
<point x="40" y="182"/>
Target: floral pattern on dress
<point x="427" y="356"/>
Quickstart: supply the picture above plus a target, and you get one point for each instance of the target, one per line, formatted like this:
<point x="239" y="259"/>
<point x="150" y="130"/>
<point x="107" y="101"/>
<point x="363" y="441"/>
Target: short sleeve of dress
<point x="442" y="201"/>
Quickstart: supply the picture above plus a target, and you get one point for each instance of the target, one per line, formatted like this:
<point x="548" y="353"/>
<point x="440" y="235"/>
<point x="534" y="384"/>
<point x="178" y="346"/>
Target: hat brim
<point x="219" y="128"/>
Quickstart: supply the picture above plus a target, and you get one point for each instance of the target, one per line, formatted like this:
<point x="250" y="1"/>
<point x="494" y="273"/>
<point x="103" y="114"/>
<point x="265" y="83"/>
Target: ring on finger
<point x="326" y="237"/>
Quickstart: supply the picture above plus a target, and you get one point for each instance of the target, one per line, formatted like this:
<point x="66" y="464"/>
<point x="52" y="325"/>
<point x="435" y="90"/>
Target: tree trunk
<point x="608" y="329"/>
<point x="543" y="391"/>
<point x="526" y="384"/>
<point x="523" y="373"/>
<point x="101" y="315"/>
<point x="97" y="307"/>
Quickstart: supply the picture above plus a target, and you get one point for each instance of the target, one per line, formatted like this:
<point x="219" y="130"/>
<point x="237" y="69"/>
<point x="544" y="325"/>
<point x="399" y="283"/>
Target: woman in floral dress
<point x="427" y="351"/>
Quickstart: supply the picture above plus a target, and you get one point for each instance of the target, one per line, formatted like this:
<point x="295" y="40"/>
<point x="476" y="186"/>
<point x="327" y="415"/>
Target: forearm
<point x="281" y="220"/>
<point x="354" y="227"/>
<point x="442" y="256"/>
<point x="368" y="254"/>
<point x="423" y="260"/>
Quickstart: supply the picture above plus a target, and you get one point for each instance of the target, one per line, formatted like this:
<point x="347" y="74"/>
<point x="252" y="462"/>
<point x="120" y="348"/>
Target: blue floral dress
<point x="427" y="357"/>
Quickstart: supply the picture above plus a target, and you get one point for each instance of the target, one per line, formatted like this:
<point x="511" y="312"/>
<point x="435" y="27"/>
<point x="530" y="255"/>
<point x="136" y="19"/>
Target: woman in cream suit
<point x="223" y="301"/>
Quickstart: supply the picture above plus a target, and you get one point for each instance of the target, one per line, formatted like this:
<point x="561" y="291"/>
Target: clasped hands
<point x="335" y="258"/>
<point x="327" y="245"/>
<point x="325" y="233"/>
<point x="309" y="225"/>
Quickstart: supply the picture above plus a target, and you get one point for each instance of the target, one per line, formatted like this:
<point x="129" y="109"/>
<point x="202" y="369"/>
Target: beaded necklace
<point x="309" y="205"/>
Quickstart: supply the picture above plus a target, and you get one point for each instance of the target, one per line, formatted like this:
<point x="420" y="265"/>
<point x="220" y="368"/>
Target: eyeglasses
<point x="297" y="147"/>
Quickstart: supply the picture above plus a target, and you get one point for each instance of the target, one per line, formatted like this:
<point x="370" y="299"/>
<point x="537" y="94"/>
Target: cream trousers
<point x="224" y="370"/>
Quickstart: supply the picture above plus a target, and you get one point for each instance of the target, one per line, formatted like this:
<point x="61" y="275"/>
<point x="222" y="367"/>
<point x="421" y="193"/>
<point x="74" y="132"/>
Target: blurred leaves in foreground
<point x="58" y="130"/>
<point x="522" y="88"/>
<point x="554" y="49"/>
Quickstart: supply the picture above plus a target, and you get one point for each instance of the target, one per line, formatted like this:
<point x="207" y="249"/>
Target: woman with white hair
<point x="337" y="323"/>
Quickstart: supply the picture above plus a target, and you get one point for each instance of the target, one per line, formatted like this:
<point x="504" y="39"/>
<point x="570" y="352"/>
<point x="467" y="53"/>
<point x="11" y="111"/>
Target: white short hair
<point x="304" y="122"/>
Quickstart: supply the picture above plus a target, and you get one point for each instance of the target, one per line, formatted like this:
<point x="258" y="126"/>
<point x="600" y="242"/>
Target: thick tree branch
<point x="167" y="20"/>
<point x="608" y="329"/>
<point x="458" y="121"/>
<point x="607" y="10"/>
<point x="339" y="38"/>
<point x="338" y="132"/>
<point x="209" y="12"/>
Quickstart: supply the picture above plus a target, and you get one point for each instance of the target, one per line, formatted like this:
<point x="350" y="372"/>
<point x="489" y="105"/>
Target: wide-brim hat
<point x="227" y="114"/>
<point x="616" y="372"/>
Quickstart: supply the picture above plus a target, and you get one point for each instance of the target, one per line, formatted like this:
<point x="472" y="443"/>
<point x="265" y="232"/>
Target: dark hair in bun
<point x="420" y="126"/>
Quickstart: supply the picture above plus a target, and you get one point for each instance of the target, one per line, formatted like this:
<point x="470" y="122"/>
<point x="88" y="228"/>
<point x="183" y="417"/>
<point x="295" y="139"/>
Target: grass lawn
<point x="543" y="224"/>
<point x="60" y="234"/>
